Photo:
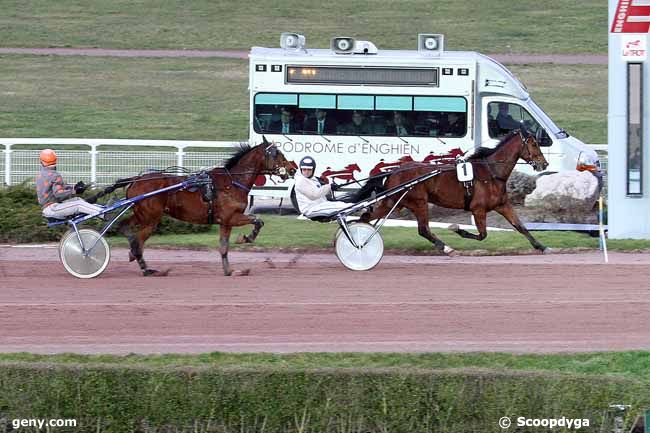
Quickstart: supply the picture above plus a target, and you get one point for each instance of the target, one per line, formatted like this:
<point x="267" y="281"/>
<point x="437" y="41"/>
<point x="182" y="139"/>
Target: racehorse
<point x="228" y="189"/>
<point x="491" y="167"/>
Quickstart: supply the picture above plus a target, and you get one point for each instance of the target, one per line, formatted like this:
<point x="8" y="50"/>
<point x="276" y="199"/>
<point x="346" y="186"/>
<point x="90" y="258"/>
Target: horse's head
<point x="530" y="150"/>
<point x="275" y="163"/>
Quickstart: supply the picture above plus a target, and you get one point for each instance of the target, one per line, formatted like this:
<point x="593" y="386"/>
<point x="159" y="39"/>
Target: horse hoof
<point x="131" y="257"/>
<point x="241" y="239"/>
<point x="450" y="252"/>
<point x="155" y="273"/>
<point x="242" y="273"/>
<point x="547" y="250"/>
<point x="293" y="261"/>
<point x="453" y="227"/>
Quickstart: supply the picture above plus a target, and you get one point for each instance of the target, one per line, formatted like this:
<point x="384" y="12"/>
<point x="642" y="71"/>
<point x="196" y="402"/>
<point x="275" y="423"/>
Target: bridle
<point x="271" y="166"/>
<point x="524" y="154"/>
<point x="527" y="156"/>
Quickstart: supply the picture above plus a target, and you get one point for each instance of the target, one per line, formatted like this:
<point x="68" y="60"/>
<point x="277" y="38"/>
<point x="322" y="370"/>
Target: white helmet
<point x="308" y="162"/>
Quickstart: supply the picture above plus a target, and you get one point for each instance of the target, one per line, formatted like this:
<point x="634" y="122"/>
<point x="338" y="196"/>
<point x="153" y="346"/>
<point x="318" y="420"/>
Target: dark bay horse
<point x="491" y="167"/>
<point x="230" y="187"/>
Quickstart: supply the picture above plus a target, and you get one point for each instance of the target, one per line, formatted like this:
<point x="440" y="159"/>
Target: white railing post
<point x="179" y="155"/>
<point x="8" y="164"/>
<point x="93" y="163"/>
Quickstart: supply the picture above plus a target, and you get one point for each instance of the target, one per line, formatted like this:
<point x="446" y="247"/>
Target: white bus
<point x="359" y="110"/>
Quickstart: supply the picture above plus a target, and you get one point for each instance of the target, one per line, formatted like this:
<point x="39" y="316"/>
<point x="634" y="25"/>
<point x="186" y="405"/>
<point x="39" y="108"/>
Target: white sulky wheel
<point x="73" y="258"/>
<point x="359" y="259"/>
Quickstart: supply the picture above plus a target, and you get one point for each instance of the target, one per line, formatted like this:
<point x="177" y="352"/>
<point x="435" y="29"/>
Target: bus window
<point x="504" y="117"/>
<point x="375" y="115"/>
<point x="276" y="113"/>
<point x="317" y="117"/>
<point x="439" y="116"/>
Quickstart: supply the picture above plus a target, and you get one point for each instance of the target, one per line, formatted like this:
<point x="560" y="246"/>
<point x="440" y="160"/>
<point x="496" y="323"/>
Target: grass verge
<point x="288" y="232"/>
<point x="527" y="26"/>
<point x="328" y="393"/>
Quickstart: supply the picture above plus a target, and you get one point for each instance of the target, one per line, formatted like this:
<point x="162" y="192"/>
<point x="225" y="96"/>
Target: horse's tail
<point x="120" y="183"/>
<point x="373" y="185"/>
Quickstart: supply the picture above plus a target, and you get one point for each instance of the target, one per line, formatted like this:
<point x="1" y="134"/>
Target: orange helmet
<point x="47" y="157"/>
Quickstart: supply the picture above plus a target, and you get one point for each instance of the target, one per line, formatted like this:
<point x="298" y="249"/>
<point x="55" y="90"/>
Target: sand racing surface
<point x="536" y="303"/>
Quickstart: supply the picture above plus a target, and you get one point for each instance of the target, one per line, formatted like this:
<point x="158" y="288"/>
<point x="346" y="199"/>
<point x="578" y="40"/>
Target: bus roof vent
<point x="345" y="45"/>
<point x="431" y="44"/>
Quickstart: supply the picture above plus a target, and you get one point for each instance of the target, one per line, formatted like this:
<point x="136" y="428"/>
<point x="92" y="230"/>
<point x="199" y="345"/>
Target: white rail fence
<point x="103" y="167"/>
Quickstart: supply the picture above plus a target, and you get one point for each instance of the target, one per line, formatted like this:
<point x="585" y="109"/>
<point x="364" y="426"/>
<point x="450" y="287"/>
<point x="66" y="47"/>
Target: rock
<point x="567" y="192"/>
<point x="519" y="186"/>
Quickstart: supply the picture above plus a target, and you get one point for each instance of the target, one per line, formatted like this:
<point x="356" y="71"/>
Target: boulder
<point x="568" y="192"/>
<point x="519" y="186"/>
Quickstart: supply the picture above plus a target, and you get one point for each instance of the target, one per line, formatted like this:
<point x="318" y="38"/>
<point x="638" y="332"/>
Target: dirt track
<point x="518" y="303"/>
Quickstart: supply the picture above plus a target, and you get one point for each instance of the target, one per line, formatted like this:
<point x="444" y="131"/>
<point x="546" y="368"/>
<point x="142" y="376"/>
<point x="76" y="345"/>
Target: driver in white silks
<point x="311" y="194"/>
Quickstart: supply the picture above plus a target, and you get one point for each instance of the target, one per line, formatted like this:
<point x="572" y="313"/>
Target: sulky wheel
<point x="364" y="258"/>
<point x="82" y="265"/>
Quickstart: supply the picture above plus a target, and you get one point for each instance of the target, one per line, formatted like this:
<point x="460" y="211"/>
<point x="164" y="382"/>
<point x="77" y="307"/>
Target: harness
<point x="469" y="186"/>
<point x="209" y="190"/>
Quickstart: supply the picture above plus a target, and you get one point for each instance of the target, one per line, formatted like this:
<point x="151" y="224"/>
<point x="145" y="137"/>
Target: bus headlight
<point x="588" y="162"/>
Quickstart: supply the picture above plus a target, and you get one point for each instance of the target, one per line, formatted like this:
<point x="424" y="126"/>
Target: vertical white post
<point x="603" y="240"/>
<point x="7" y="164"/>
<point x="179" y="156"/>
<point x="93" y="163"/>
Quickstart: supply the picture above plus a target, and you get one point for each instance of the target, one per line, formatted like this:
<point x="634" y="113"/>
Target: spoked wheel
<point x="82" y="265"/>
<point x="367" y="256"/>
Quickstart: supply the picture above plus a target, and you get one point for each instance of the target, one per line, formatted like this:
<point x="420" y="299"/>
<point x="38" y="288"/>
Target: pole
<point x="93" y="164"/>
<point x="602" y="240"/>
<point x="7" y="164"/>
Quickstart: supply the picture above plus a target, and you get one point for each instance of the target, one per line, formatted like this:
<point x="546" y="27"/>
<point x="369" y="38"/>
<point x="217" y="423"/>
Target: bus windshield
<point x="559" y="133"/>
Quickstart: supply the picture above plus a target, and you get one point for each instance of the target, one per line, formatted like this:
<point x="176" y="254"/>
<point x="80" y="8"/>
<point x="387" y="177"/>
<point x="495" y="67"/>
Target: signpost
<point x="628" y="201"/>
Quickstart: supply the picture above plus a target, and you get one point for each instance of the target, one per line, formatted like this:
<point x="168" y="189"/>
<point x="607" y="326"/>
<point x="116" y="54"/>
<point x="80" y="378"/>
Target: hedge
<point x="109" y="398"/>
<point x="21" y="220"/>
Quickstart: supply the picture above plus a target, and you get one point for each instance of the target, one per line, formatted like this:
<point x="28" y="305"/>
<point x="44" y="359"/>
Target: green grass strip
<point x="286" y="232"/>
<point x="553" y="26"/>
<point x="123" y="398"/>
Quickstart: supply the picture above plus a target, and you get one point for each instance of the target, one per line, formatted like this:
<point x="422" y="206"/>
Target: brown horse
<point x="491" y="167"/>
<point x="225" y="206"/>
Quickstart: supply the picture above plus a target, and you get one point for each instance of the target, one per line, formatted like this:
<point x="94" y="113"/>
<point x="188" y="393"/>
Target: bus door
<point x="502" y="117"/>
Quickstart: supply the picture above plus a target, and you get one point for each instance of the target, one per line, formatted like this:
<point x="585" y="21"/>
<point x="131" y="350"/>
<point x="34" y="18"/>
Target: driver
<point x="55" y="196"/>
<point x="311" y="194"/>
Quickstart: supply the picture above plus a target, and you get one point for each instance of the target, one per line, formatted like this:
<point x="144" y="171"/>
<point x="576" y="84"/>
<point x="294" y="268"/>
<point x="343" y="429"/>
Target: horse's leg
<point x="421" y="212"/>
<point x="509" y="213"/>
<point x="257" y="226"/>
<point x="142" y="236"/>
<point x="125" y="228"/>
<point x="224" y="243"/>
<point x="480" y="217"/>
<point x="136" y="243"/>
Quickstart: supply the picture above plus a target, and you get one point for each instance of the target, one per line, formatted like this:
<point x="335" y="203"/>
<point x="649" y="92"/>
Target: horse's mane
<point x="484" y="152"/>
<point x="233" y="160"/>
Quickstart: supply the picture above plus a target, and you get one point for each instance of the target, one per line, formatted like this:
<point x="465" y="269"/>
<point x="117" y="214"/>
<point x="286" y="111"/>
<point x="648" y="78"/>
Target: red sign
<point x="630" y="18"/>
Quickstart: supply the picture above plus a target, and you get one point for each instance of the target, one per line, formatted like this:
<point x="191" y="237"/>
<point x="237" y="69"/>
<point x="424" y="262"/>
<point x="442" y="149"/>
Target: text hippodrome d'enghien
<point x="362" y="148"/>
